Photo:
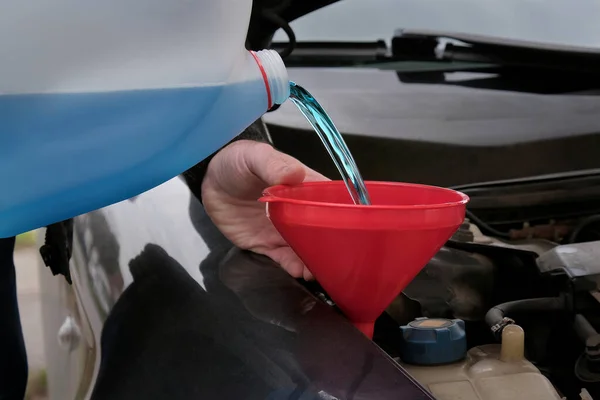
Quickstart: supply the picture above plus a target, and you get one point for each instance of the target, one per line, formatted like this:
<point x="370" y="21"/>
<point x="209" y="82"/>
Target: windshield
<point x="551" y="21"/>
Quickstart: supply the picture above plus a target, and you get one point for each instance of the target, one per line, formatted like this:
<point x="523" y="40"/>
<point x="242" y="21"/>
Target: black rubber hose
<point x="582" y="225"/>
<point x="485" y="227"/>
<point x="497" y="316"/>
<point x="583" y="328"/>
<point x="276" y="20"/>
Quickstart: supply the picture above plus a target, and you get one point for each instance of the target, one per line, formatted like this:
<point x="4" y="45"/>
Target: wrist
<point x="194" y="176"/>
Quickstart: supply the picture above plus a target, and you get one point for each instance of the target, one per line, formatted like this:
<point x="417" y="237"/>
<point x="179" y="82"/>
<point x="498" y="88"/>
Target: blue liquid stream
<point x="333" y="142"/>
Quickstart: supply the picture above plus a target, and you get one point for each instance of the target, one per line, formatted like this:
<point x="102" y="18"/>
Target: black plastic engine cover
<point x="580" y="262"/>
<point x="454" y="284"/>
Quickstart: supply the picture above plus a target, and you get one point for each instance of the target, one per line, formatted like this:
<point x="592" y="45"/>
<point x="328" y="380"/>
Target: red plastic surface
<point x="364" y="256"/>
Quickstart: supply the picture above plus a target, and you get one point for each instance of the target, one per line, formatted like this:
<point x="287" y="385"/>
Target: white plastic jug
<point x="102" y="100"/>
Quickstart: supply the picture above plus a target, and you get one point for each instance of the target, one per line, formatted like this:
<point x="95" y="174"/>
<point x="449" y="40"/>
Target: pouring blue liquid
<point x="333" y="142"/>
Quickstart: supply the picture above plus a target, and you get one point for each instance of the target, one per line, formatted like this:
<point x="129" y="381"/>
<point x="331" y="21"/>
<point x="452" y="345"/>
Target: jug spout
<point x="274" y="75"/>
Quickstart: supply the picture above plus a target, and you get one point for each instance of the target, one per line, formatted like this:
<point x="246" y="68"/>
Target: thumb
<point x="273" y="167"/>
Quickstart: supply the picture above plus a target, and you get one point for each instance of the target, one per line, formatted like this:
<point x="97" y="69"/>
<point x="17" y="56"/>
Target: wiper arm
<point x="511" y="65"/>
<point x="445" y="46"/>
<point x="331" y="54"/>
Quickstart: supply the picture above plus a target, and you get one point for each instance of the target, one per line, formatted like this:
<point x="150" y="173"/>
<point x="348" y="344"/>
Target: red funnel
<point x="364" y="256"/>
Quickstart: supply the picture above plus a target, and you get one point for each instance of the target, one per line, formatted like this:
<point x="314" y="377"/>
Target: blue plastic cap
<point x="431" y="341"/>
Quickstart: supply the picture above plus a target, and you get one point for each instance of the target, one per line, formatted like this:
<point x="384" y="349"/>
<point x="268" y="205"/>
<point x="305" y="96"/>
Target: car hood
<point x="375" y="103"/>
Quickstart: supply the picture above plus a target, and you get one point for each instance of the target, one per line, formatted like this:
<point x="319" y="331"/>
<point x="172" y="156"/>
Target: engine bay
<point x="509" y="308"/>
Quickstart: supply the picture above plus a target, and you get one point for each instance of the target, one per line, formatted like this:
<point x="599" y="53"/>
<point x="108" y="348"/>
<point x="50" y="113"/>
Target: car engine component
<point x="496" y="287"/>
<point x="431" y="341"/>
<point x="489" y="372"/>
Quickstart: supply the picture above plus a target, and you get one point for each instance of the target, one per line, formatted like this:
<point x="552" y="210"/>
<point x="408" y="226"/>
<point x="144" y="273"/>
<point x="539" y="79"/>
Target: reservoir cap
<point x="431" y="341"/>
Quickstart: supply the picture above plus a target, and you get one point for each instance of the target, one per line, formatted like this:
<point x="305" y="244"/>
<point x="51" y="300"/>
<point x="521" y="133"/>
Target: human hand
<point x="234" y="181"/>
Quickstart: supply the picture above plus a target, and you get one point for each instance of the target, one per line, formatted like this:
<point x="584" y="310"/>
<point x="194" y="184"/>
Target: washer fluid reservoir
<point x="489" y="372"/>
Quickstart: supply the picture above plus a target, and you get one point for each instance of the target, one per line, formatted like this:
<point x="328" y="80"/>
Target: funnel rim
<point x="268" y="196"/>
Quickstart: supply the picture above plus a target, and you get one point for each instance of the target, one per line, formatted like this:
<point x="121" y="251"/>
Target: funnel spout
<point x="367" y="328"/>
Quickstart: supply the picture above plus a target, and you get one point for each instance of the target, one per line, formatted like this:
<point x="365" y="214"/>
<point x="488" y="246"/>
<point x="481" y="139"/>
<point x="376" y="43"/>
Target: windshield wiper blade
<point x="438" y="45"/>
